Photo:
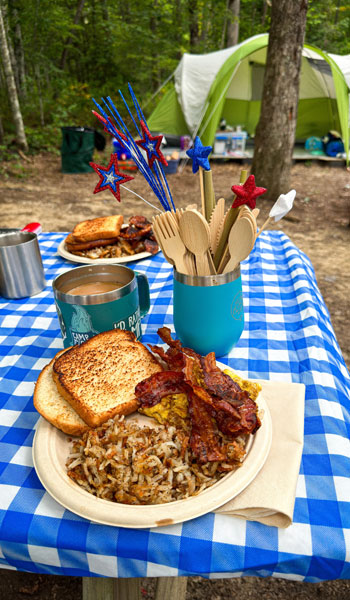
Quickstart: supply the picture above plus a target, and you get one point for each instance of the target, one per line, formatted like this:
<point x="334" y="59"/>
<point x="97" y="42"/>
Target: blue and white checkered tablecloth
<point x="288" y="336"/>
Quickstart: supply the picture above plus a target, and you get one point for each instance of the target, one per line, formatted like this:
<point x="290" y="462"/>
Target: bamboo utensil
<point x="215" y="221"/>
<point x="229" y="221"/>
<point x="168" y="237"/>
<point x="240" y="242"/>
<point x="195" y="234"/>
<point x="159" y="238"/>
<point x="226" y="253"/>
<point x="249" y="214"/>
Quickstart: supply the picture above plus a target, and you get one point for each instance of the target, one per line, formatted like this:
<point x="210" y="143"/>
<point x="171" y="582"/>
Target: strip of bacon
<point x="150" y="391"/>
<point x="219" y="384"/>
<point x="204" y="440"/>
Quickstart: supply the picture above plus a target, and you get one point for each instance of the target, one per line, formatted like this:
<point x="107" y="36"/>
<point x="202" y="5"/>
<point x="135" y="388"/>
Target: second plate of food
<point x="61" y="250"/>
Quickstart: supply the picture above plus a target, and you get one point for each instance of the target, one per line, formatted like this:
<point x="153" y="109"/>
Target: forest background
<point x="63" y="53"/>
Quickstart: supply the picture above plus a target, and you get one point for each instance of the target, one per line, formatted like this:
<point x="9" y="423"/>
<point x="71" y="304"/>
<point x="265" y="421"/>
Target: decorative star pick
<point x="199" y="155"/>
<point x="110" y="177"/>
<point x="151" y="143"/>
<point x="247" y="193"/>
<point x="282" y="206"/>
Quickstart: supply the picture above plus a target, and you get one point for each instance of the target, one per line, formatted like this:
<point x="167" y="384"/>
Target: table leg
<point x="107" y="588"/>
<point x="171" y="588"/>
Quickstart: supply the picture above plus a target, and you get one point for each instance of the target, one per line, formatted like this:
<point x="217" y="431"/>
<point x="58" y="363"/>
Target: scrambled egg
<point x="251" y="387"/>
<point x="172" y="409"/>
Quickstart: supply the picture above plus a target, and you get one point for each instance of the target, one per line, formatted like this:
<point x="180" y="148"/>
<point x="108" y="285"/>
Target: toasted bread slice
<point x="73" y="246"/>
<point x="98" y="378"/>
<point x="98" y="229"/>
<point x="53" y="407"/>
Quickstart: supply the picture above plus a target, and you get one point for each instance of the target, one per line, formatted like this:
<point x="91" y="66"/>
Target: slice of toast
<point x="98" y="229"/>
<point x="73" y="246"/>
<point x="98" y="378"/>
<point x="53" y="407"/>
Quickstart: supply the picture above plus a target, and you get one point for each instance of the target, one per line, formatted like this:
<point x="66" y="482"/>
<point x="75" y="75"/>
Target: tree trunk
<point x="233" y="23"/>
<point x="13" y="58"/>
<point x="275" y="133"/>
<point x="11" y="88"/>
<point x="70" y="38"/>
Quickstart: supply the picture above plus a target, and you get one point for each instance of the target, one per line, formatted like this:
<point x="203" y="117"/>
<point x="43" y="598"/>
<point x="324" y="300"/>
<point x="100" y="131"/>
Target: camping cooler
<point x="221" y="143"/>
<point x="238" y="141"/>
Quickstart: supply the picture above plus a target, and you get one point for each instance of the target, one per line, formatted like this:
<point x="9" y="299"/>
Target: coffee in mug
<point x="97" y="298"/>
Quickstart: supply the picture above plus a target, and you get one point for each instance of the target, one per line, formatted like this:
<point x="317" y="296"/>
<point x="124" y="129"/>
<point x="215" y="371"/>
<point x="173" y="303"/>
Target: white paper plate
<point x="61" y="250"/>
<point x="50" y="451"/>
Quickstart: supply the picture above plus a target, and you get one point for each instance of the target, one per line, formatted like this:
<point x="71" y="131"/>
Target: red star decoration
<point x="151" y="143"/>
<point x="110" y="177"/>
<point x="247" y="193"/>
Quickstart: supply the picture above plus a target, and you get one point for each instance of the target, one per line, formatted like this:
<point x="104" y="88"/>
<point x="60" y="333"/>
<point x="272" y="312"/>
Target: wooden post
<point x="171" y="588"/>
<point x="108" y="588"/>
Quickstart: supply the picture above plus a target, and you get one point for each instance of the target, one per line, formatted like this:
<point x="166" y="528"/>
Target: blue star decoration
<point x="199" y="155"/>
<point x="110" y="177"/>
<point x="151" y="143"/>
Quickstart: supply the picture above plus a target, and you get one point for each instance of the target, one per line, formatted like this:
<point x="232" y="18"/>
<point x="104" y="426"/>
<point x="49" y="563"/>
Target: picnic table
<point x="288" y="337"/>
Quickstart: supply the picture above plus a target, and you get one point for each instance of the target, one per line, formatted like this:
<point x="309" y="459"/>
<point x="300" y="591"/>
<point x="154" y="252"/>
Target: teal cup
<point x="208" y="311"/>
<point x="84" y="311"/>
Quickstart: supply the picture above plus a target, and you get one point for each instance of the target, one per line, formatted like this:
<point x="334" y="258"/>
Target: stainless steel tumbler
<point x="21" y="267"/>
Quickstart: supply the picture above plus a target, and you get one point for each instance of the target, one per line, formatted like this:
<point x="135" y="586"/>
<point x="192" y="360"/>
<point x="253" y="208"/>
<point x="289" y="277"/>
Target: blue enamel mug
<point x="208" y="311"/>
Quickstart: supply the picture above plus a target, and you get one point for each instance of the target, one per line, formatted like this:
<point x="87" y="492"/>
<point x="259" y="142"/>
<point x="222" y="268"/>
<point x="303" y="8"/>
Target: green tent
<point x="228" y="84"/>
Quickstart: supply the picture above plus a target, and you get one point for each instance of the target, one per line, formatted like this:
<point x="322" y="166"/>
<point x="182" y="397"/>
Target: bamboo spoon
<point x="250" y="214"/>
<point x="195" y="234"/>
<point x="240" y="242"/>
<point x="242" y="210"/>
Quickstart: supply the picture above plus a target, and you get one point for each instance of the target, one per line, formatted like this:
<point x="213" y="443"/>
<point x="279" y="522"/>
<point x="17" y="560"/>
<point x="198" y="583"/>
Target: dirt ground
<point x="318" y="225"/>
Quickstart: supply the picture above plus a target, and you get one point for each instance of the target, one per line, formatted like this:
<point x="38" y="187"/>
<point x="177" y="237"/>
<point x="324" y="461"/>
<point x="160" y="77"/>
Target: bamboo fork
<point x="168" y="236"/>
<point x="158" y="236"/>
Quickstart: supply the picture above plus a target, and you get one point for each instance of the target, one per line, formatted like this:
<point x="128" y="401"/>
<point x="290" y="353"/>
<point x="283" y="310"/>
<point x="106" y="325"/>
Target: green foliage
<point x="117" y="41"/>
<point x="328" y="25"/>
<point x="43" y="139"/>
<point x="10" y="163"/>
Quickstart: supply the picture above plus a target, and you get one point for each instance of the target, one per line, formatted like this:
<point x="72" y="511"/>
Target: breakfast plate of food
<point x="137" y="437"/>
<point x="109" y="240"/>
